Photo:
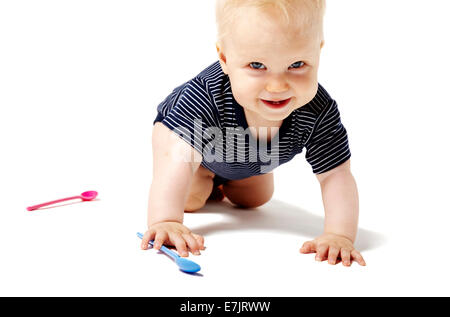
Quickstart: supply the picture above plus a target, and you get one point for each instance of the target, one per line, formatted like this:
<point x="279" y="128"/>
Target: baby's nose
<point x="277" y="86"/>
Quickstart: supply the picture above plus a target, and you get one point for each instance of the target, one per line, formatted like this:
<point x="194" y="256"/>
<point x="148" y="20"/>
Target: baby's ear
<point x="222" y="58"/>
<point x="322" y="43"/>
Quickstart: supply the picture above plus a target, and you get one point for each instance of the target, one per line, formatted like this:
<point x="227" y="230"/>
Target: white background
<point x="79" y="86"/>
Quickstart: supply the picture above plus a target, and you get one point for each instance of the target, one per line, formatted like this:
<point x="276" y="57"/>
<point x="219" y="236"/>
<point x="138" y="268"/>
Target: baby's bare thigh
<point x="200" y="189"/>
<point x="250" y="192"/>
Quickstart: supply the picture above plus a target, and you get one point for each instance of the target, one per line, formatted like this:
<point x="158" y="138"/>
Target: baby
<point x="263" y="88"/>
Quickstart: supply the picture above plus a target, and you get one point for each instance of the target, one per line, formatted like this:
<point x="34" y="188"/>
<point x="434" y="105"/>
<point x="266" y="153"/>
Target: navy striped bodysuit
<point x="204" y="113"/>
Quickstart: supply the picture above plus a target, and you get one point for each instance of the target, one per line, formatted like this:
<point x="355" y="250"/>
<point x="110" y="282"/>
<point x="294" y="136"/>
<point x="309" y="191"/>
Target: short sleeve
<point x="189" y="112"/>
<point x="328" y="146"/>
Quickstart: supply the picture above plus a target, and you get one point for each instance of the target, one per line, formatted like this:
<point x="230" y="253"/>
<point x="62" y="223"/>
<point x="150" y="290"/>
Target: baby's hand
<point x="331" y="246"/>
<point x="175" y="234"/>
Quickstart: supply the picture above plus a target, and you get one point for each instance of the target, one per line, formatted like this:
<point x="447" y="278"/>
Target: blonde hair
<point x="292" y="12"/>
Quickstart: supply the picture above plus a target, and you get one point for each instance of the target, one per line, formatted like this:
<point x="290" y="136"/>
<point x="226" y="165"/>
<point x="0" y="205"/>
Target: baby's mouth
<point x="276" y="104"/>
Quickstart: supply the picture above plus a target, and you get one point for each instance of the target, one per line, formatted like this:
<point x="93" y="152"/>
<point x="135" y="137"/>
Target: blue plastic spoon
<point x="185" y="265"/>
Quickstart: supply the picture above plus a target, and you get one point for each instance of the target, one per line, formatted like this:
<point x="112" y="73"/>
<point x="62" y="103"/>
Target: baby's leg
<point x="201" y="188"/>
<point x="250" y="192"/>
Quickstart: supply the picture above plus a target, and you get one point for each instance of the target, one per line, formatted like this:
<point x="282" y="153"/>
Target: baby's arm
<point x="340" y="200"/>
<point x="174" y="164"/>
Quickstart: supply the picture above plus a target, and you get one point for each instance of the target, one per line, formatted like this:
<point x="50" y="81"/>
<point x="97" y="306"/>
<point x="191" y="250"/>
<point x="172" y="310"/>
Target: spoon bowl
<point x="186" y="265"/>
<point x="89" y="195"/>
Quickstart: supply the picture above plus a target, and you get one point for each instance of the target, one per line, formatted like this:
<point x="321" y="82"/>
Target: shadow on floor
<point x="277" y="216"/>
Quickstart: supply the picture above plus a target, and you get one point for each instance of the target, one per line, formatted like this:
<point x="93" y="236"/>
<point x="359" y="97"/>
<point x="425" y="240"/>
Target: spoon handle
<point x="51" y="202"/>
<point x="167" y="251"/>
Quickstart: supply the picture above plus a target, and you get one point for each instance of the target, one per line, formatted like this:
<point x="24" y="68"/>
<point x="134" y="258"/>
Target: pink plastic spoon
<point x="89" y="195"/>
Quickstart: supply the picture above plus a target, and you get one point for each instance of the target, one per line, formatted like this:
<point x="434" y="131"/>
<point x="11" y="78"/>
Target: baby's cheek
<point x="306" y="90"/>
<point x="244" y="91"/>
<point x="242" y="98"/>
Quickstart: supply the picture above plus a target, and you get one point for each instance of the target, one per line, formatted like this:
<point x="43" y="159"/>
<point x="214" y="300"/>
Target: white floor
<point x="76" y="115"/>
<point x="91" y="248"/>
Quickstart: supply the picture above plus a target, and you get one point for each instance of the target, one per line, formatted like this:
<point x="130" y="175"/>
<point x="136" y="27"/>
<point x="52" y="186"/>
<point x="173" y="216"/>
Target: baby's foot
<point x="217" y="194"/>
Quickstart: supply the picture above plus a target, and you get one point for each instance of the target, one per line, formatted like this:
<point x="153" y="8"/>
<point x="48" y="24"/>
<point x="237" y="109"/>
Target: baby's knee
<point x="253" y="202"/>
<point x="256" y="204"/>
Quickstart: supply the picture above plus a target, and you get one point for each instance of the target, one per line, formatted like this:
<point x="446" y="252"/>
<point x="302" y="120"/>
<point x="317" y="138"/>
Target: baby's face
<point x="266" y="61"/>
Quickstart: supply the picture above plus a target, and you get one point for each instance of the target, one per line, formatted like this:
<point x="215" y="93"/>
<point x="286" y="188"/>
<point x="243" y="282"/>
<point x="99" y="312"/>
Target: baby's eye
<point x="298" y="64"/>
<point x="256" y="64"/>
